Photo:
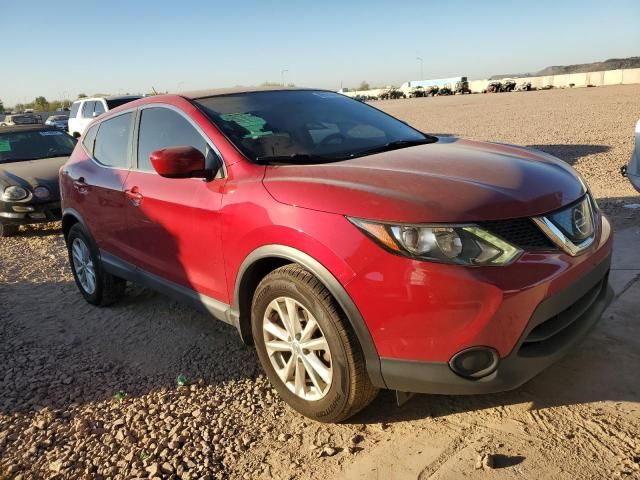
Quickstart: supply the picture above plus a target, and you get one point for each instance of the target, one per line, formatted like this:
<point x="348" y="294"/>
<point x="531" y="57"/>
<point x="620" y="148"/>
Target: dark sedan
<point x="30" y="158"/>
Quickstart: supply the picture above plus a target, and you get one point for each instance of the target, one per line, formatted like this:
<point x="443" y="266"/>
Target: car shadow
<point x="57" y="350"/>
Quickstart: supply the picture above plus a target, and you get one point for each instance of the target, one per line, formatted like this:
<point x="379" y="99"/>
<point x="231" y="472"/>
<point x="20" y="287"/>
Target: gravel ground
<point x="151" y="388"/>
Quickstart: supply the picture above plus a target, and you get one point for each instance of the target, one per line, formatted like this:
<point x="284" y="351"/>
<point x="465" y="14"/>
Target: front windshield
<point x="32" y="145"/>
<point x="305" y="123"/>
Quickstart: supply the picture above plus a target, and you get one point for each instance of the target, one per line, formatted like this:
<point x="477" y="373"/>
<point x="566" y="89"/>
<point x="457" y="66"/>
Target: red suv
<point x="355" y="252"/>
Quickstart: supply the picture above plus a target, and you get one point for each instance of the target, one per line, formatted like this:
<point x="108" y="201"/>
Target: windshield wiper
<point x="296" y="159"/>
<point x="393" y="146"/>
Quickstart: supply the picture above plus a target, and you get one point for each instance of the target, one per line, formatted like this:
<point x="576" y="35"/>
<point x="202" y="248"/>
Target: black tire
<point x="8" y="230"/>
<point x="108" y="288"/>
<point x="351" y="389"/>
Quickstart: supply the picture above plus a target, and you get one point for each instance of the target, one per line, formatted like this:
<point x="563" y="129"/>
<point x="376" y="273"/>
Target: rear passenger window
<point x="74" y="110"/>
<point x="87" y="109"/>
<point x="111" y="147"/>
<point x="162" y="128"/>
<point x="89" y="138"/>
<point x="99" y="108"/>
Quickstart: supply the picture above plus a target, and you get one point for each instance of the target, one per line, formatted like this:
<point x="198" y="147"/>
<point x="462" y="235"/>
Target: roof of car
<point x="23" y="128"/>
<point x="109" y="97"/>
<point x="192" y="95"/>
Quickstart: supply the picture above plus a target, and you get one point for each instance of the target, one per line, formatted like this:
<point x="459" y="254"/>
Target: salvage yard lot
<point x="87" y="392"/>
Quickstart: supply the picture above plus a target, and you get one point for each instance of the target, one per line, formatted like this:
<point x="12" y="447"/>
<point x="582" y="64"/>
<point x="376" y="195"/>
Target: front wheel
<point x="307" y="348"/>
<point x="96" y="286"/>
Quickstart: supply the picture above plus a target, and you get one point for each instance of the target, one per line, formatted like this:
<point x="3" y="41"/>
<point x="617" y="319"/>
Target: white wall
<point x="597" y="79"/>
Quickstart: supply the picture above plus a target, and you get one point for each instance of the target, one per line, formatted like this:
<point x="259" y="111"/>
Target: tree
<point x="1" y="107"/>
<point x="82" y="95"/>
<point x="41" y="104"/>
<point x="19" y="108"/>
<point x="364" y="86"/>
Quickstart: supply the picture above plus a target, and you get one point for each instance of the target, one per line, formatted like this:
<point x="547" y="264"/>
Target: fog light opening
<point x="474" y="362"/>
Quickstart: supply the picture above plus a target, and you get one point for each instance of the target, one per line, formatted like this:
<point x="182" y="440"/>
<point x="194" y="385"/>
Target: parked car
<point x="30" y="157"/>
<point x="493" y="87"/>
<point x="83" y="111"/>
<point x="632" y="171"/>
<point x="417" y="92"/>
<point x="525" y="87"/>
<point x="508" y="86"/>
<point x="21" y="119"/>
<point x="355" y="252"/>
<point x="58" y="121"/>
<point x="462" y="87"/>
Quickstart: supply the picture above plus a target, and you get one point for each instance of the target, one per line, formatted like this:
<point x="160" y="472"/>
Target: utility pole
<point x="421" y="72"/>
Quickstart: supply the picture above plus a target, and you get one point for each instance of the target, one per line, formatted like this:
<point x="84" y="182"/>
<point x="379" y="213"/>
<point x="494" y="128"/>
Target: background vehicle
<point x="632" y="171"/>
<point x="494" y="87"/>
<point x="21" y="119"/>
<point x="508" y="86"/>
<point x="58" y="121"/>
<point x="462" y="87"/>
<point x="30" y="158"/>
<point x="84" y="110"/>
<point x="391" y="94"/>
<point x="417" y="92"/>
<point x="433" y="91"/>
<point x="525" y="87"/>
<point x="354" y="251"/>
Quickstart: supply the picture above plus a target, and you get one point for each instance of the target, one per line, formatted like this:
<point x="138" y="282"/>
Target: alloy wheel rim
<point x="297" y="348"/>
<point x="83" y="266"/>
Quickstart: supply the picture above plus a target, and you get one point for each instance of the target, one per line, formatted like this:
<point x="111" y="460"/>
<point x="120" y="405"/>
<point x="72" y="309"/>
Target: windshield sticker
<point x="5" y="146"/>
<point x="50" y="132"/>
<point x="253" y="126"/>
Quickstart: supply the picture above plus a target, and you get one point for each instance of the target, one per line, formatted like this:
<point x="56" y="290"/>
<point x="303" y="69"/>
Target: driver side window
<point x="161" y="128"/>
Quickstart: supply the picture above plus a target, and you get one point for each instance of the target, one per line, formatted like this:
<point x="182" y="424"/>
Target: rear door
<point x="98" y="183"/>
<point x="174" y="224"/>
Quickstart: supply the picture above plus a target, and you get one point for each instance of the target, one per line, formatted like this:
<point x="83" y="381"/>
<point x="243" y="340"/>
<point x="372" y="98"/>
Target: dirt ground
<point x="92" y="393"/>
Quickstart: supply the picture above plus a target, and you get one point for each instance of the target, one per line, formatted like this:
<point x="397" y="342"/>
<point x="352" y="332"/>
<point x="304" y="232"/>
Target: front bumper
<point x="37" y="213"/>
<point x="556" y="325"/>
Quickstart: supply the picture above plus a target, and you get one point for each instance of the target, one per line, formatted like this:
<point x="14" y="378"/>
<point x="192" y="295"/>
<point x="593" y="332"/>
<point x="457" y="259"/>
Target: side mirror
<point x="179" y="162"/>
<point x="95" y="114"/>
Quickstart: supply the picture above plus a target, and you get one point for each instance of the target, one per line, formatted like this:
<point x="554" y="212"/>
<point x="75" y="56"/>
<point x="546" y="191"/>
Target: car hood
<point x="453" y="180"/>
<point x="30" y="174"/>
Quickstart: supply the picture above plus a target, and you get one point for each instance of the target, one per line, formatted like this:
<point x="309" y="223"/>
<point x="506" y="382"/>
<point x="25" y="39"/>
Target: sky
<point x="65" y="47"/>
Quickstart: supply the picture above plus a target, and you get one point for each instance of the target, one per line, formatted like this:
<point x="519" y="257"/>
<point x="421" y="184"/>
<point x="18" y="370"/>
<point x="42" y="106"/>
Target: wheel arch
<point x="70" y="217"/>
<point x="267" y="258"/>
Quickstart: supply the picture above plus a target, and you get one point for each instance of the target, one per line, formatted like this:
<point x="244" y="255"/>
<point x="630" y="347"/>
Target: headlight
<point x="14" y="193"/>
<point x="456" y="244"/>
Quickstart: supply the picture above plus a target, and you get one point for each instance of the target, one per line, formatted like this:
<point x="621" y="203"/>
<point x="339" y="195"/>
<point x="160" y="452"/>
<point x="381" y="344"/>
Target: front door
<point x="174" y="224"/>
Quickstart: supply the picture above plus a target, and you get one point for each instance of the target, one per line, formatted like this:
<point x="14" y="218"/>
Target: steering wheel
<point x="330" y="138"/>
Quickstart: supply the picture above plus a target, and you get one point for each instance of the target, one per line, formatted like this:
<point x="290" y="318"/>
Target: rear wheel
<point x="307" y="348"/>
<point x="8" y="230"/>
<point x="96" y="286"/>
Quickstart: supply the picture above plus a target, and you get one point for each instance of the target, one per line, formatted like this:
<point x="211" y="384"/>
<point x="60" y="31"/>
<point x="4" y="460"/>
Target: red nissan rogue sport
<point x="355" y="252"/>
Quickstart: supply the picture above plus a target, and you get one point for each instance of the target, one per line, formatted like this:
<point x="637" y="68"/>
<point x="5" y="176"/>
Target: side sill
<point x="118" y="267"/>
